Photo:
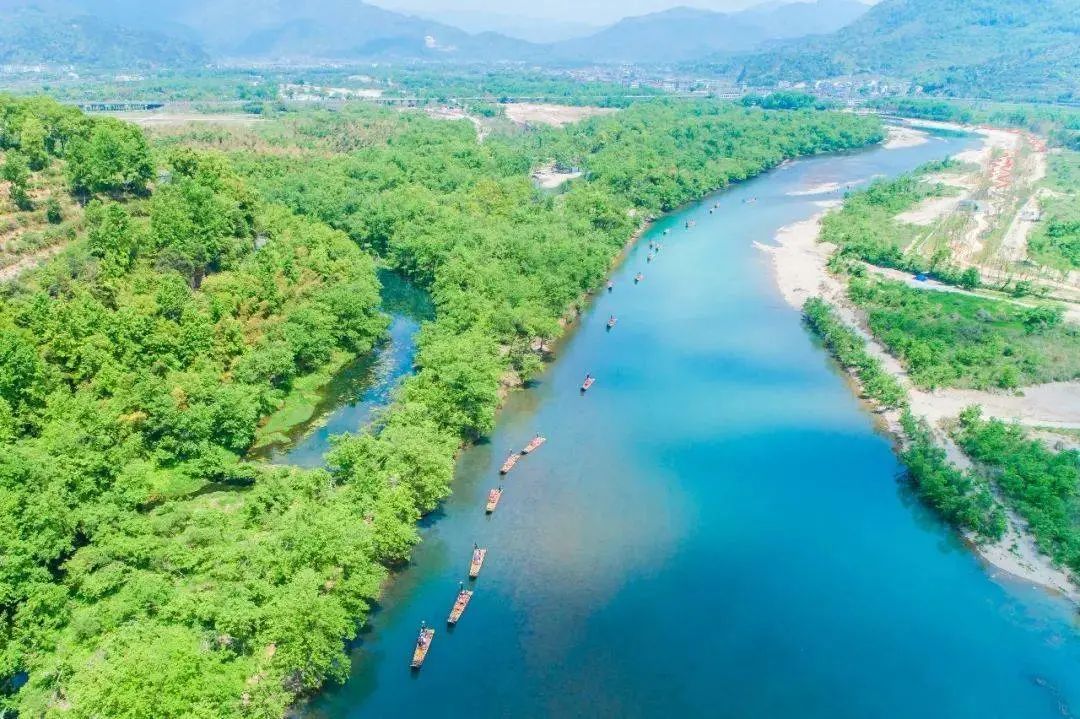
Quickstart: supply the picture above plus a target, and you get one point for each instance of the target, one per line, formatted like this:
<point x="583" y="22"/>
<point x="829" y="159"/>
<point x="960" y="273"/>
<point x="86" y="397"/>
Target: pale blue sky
<point x="585" y="11"/>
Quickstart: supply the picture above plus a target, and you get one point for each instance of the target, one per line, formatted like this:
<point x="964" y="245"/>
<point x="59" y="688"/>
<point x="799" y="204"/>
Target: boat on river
<point x="493" y="500"/>
<point x="476" y="562"/>
<point x="510" y="462"/>
<point x="649" y="258"/>
<point x="638" y="278"/>
<point x="458" y="609"/>
<point x="611" y="322"/>
<point x="423" y="643"/>
<point x="534" y="444"/>
<point x="589" y="380"/>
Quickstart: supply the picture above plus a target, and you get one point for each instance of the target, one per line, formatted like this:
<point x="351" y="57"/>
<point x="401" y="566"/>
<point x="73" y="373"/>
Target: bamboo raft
<point x="477" y="562"/>
<point x="587" y="383"/>
<point x="611" y="322"/>
<point x="534" y="444"/>
<point x="423" y="643"/>
<point x="493" y="500"/>
<point x="510" y="462"/>
<point x="638" y="278"/>
<point x="460" y="603"/>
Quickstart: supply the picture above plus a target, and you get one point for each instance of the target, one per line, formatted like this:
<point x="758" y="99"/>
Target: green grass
<point x="1055" y="241"/>
<point x="955" y="340"/>
<point x="300" y="404"/>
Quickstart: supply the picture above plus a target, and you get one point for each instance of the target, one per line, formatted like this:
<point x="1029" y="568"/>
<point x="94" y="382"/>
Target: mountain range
<point x="684" y="33"/>
<point x="1019" y="48"/>
<point x="1001" y="48"/>
<point x="278" y="30"/>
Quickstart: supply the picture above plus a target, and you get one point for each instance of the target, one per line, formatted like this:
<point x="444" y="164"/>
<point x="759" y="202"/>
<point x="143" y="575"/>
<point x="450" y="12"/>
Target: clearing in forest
<point x="557" y="115"/>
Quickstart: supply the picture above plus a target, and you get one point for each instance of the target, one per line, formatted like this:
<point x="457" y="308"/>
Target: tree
<point x="194" y="229"/>
<point x="16" y="170"/>
<point x="115" y="158"/>
<point x="111" y="236"/>
<point x="53" y="213"/>
<point x="969" y="279"/>
<point x="22" y="374"/>
<point x="32" y="143"/>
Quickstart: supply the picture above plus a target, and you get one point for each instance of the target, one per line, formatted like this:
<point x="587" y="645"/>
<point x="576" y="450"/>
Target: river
<point x="717" y="529"/>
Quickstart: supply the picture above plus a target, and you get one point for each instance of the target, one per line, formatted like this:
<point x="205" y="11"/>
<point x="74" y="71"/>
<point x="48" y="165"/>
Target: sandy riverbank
<point x="800" y="267"/>
<point x="900" y="136"/>
<point x="824" y="188"/>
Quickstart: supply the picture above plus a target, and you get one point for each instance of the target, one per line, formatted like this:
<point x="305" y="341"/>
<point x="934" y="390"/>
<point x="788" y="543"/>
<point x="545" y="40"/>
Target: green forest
<point x="949" y="339"/>
<point x="1060" y="124"/>
<point x="149" y="570"/>
<point x="1041" y="484"/>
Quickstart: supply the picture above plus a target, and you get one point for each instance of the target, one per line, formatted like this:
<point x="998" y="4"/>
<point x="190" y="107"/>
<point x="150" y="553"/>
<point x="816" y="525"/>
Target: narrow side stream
<point x="352" y="397"/>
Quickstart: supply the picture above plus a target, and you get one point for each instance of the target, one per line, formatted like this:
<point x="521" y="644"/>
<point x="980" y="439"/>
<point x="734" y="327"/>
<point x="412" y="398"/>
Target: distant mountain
<point x="124" y="33"/>
<point x="798" y="19"/>
<point x="331" y="29"/>
<point x="522" y="27"/>
<point x="979" y="47"/>
<point x="53" y="35"/>
<point x="683" y="33"/>
<point x="137" y="32"/>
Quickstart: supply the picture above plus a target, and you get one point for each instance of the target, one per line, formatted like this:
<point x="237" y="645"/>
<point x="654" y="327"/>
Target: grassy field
<point x="956" y="340"/>
<point x="1055" y="241"/>
<point x="300" y="405"/>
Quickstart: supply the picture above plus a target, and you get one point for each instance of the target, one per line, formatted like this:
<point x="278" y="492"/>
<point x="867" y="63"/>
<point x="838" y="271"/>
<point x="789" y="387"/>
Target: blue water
<point x="716" y="530"/>
<point x="355" y="394"/>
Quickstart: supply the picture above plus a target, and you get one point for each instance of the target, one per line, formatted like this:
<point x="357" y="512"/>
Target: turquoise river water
<point x="717" y="529"/>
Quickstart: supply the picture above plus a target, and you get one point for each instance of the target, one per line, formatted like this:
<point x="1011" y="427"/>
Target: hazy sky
<point x="586" y="11"/>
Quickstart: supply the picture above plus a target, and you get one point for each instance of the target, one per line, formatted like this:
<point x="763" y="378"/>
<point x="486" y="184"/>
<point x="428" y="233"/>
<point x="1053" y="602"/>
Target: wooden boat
<point x="587" y="383"/>
<point x="611" y="322"/>
<point x="460" y="603"/>
<point x="649" y="258"/>
<point x="638" y="278"/>
<point x="534" y="444"/>
<point x="476" y="562"/>
<point x="610" y="286"/>
<point x="510" y="462"/>
<point x="493" y="500"/>
<point x="423" y="643"/>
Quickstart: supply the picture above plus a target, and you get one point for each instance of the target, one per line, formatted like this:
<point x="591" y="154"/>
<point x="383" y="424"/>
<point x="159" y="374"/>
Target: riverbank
<point x="299" y="408"/>
<point x="800" y="264"/>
